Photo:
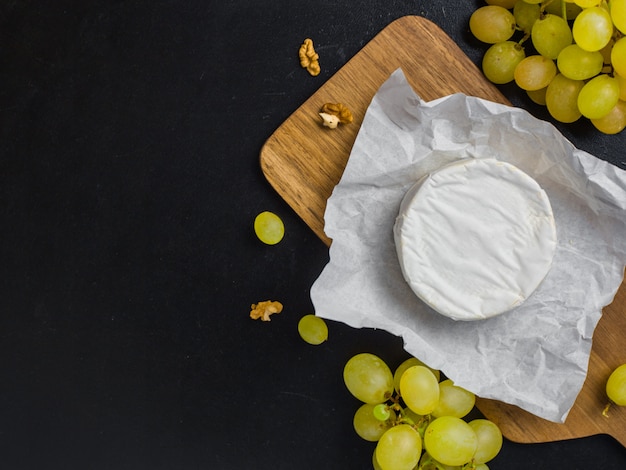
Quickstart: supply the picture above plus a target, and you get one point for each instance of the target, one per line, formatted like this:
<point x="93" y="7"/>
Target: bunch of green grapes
<point x="569" y="55"/>
<point x="417" y="418"/>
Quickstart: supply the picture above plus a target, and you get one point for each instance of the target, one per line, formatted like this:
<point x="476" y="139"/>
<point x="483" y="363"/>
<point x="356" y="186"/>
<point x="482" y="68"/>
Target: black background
<point x="129" y="180"/>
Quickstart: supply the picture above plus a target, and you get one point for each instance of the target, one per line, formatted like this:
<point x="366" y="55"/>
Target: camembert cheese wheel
<point x="475" y="238"/>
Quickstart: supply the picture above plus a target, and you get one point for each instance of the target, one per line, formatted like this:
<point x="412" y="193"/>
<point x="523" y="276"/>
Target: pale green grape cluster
<point x="616" y="388"/>
<point x="417" y="418"/>
<point x="569" y="55"/>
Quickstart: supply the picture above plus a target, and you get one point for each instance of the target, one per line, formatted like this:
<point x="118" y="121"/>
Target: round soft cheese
<point x="475" y="238"/>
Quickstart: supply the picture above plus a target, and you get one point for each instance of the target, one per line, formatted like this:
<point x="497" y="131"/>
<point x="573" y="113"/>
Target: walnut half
<point x="339" y="110"/>
<point x="309" y="59"/>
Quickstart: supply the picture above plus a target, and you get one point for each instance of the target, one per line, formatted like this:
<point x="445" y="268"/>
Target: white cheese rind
<point x="475" y="238"/>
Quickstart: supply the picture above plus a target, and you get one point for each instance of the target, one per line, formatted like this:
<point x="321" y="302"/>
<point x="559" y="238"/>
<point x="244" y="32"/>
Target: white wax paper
<point x="534" y="356"/>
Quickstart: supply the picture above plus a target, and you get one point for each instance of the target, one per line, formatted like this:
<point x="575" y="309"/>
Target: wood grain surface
<point x="304" y="166"/>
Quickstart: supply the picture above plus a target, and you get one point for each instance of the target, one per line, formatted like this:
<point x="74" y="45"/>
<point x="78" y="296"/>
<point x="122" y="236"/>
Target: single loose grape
<point x="614" y="122"/>
<point x="399" y="448"/>
<point x="367" y="426"/>
<point x="313" y="329"/>
<point x="579" y="64"/>
<point x="453" y="400"/>
<point x="419" y="389"/>
<point x="616" y="386"/>
<point x="368" y="378"/>
<point x="500" y="60"/>
<point x="534" y="72"/>
<point x="550" y="34"/>
<point x="618" y="56"/>
<point x="410" y="362"/>
<point x="598" y="96"/>
<point x="562" y="98"/>
<point x="269" y="228"/>
<point x="450" y="440"/>
<point x="592" y="28"/>
<point x="492" y="23"/>
<point x="489" y="440"/>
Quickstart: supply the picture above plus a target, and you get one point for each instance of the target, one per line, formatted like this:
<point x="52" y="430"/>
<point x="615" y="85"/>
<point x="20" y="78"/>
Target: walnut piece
<point x="339" y="110"/>
<point x="309" y="59"/>
<point x="264" y="309"/>
<point x="329" y="120"/>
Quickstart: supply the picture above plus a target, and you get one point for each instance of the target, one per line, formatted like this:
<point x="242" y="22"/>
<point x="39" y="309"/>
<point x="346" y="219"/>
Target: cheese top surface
<point x="475" y="238"/>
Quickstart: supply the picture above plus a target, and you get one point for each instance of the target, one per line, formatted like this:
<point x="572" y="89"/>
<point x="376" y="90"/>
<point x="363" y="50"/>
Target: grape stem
<point x="524" y="39"/>
<point x="605" y="411"/>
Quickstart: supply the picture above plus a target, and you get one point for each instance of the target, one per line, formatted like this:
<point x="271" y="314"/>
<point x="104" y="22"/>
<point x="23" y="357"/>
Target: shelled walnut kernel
<point x="339" y="110"/>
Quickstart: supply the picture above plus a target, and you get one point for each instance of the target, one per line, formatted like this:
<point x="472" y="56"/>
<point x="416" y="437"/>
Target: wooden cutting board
<point x="304" y="162"/>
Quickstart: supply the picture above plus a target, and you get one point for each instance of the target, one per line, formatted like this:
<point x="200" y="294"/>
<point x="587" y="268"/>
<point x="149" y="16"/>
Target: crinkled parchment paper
<point x="534" y="356"/>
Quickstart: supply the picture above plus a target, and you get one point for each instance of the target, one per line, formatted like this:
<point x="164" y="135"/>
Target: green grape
<point x="481" y="466"/>
<point x="419" y="389"/>
<point x="410" y="362"/>
<point x="399" y="448"/>
<point x="598" y="96"/>
<point x="428" y="463"/>
<point x="453" y="400"/>
<point x="489" y="439"/>
<point x="555" y="7"/>
<point x="269" y="228"/>
<point x="592" y="28"/>
<point x="562" y="98"/>
<point x="618" y="14"/>
<point x="616" y="386"/>
<point x="614" y="122"/>
<point x="587" y="3"/>
<point x="419" y="422"/>
<point x="492" y="23"/>
<point x="375" y="463"/>
<point x="606" y="56"/>
<point x="313" y="329"/>
<point x="534" y="72"/>
<point x="538" y="96"/>
<point x="500" y="60"/>
<point x="368" y="378"/>
<point x="367" y="426"/>
<point x="550" y="35"/>
<point x="450" y="440"/>
<point x="381" y="412"/>
<point x="579" y="64"/>
<point x="508" y="4"/>
<point x="618" y="56"/>
<point x="526" y="14"/>
<point x="622" y="86"/>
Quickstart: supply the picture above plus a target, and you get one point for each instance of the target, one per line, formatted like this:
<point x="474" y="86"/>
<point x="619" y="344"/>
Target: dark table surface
<point x="129" y="180"/>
